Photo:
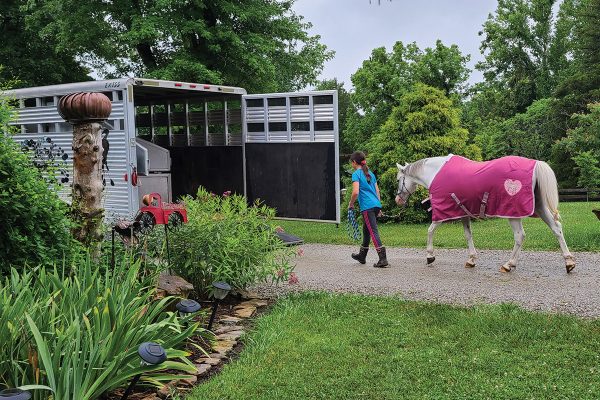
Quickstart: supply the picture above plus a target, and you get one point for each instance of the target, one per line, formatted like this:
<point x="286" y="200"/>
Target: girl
<point x="364" y="187"/>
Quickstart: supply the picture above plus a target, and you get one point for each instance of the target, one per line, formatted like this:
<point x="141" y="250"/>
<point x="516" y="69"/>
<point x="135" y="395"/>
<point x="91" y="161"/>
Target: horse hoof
<point x="570" y="267"/>
<point x="506" y="268"/>
<point x="430" y="260"/>
<point x="469" y="264"/>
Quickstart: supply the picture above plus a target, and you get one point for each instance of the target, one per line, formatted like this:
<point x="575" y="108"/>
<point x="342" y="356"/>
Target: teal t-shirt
<point x="367" y="193"/>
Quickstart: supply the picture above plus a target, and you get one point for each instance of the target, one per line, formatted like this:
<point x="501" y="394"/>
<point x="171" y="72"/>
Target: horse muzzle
<point x="399" y="200"/>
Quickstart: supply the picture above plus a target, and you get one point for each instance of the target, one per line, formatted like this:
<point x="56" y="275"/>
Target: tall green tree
<point x="261" y="45"/>
<point x="385" y="77"/>
<point x="526" y="49"/>
<point x="582" y="85"/>
<point x="30" y="57"/>
<point x="574" y="158"/>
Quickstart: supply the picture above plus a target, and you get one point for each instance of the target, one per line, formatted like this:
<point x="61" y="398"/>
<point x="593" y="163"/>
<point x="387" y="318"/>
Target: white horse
<point x="423" y="172"/>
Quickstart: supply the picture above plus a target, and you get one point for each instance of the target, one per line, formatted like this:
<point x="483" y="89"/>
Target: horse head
<point x="406" y="184"/>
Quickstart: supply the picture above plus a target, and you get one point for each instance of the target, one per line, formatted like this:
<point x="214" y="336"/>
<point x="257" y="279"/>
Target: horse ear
<point x="399" y="167"/>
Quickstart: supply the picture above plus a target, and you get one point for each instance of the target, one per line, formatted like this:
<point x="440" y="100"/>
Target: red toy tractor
<point x="155" y="212"/>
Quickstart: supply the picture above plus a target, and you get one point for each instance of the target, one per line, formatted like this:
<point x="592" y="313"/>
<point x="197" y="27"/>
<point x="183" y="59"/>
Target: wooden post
<point x="85" y="111"/>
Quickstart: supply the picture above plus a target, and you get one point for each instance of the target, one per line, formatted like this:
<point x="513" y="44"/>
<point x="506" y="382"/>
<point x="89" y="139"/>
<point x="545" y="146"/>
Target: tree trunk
<point x="87" y="183"/>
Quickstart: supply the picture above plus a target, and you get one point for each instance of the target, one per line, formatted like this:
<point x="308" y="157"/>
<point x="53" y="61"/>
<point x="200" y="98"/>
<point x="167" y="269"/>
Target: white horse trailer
<point x="281" y="148"/>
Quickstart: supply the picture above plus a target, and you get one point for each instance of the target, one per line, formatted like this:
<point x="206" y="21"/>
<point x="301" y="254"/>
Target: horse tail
<point x="548" y="187"/>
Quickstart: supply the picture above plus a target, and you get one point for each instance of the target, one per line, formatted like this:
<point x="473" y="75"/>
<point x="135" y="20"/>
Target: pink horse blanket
<point x="497" y="188"/>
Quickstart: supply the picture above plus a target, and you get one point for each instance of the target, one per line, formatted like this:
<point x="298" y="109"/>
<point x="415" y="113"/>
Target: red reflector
<point x="206" y="86"/>
<point x="192" y="86"/>
<point x="178" y="84"/>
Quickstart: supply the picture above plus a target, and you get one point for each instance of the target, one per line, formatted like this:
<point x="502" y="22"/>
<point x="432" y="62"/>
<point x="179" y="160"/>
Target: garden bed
<point x="199" y="348"/>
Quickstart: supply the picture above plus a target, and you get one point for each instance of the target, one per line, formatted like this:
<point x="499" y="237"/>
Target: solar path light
<point x="187" y="306"/>
<point x="151" y="354"/>
<point x="221" y="290"/>
<point x="15" y="394"/>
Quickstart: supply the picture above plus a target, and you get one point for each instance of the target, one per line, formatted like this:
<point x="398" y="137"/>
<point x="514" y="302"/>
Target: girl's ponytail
<point x="359" y="158"/>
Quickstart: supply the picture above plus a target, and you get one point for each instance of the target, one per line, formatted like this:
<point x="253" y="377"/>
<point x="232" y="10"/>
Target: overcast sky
<point x="354" y="27"/>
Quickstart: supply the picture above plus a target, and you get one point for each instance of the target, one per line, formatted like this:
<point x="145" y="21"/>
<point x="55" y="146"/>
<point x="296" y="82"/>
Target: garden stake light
<point x="151" y="354"/>
<point x="221" y="289"/>
<point x="15" y="394"/>
<point x="187" y="306"/>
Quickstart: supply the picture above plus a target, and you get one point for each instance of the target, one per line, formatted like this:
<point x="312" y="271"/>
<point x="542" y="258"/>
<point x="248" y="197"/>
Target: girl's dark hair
<point x="359" y="158"/>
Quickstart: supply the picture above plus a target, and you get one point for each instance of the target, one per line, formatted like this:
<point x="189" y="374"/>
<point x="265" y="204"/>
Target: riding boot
<point x="361" y="257"/>
<point x="382" y="263"/>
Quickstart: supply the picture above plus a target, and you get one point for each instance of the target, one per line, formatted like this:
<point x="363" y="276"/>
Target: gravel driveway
<point x="539" y="283"/>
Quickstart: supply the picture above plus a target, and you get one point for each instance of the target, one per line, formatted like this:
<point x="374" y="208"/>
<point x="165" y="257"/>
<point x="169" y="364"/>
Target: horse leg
<point x="519" y="235"/>
<point x="469" y="236"/>
<point x="556" y="227"/>
<point x="430" y="231"/>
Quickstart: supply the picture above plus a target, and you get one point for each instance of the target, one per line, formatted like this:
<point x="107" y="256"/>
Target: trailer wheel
<point x="147" y="222"/>
<point x="175" y="220"/>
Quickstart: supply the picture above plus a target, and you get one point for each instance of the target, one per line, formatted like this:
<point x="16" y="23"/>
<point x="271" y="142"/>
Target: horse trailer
<point x="172" y="137"/>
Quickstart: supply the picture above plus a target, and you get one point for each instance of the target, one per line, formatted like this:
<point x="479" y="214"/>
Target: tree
<point x="261" y="45"/>
<point x="385" y="77"/>
<point x="426" y="123"/>
<point x="31" y="57"/>
<point x="444" y="68"/>
<point x="526" y="49"/>
<point x="529" y="134"/>
<point x="582" y="146"/>
<point x="582" y="85"/>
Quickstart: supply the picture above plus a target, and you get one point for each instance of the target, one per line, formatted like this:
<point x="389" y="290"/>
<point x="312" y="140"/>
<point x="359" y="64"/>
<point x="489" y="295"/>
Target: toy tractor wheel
<point x="175" y="220"/>
<point x="146" y="223"/>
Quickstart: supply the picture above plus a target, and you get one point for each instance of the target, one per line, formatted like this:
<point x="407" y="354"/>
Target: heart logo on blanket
<point x="512" y="187"/>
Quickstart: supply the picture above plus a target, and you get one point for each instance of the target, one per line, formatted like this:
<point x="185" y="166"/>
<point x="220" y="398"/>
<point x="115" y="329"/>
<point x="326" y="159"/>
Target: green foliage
<point x="228" y="240"/>
<point x="530" y="134"/>
<point x="308" y="347"/>
<point x="261" y="45"/>
<point x="35" y="227"/>
<point x="526" y="50"/>
<point x="582" y="86"/>
<point x="425" y="124"/>
<point x="29" y="55"/>
<point x="77" y="329"/>
<point x="582" y="144"/>
<point x="385" y="77"/>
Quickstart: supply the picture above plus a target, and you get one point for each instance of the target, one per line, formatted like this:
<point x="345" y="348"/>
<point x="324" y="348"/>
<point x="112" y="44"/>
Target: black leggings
<point x="370" y="231"/>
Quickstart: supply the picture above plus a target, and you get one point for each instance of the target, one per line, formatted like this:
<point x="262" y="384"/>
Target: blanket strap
<point x="483" y="205"/>
<point x="461" y="205"/>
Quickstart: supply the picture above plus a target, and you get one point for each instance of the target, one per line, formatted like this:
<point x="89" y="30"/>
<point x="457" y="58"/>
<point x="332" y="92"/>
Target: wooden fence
<point x="579" y="194"/>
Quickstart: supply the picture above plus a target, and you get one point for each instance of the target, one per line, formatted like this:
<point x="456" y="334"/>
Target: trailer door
<point x="291" y="153"/>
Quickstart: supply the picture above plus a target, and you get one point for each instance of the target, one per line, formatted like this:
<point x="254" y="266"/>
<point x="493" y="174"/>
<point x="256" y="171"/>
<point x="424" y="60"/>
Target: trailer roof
<point x="152" y="85"/>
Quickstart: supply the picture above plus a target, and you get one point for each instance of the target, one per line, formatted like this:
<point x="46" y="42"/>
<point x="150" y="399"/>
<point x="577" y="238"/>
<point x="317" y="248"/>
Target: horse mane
<point x="415" y="167"/>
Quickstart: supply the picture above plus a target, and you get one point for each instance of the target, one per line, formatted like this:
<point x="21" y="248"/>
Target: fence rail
<point x="592" y="194"/>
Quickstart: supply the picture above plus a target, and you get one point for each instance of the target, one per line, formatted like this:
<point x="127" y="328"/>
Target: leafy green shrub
<point x="78" y="334"/>
<point x="35" y="227"/>
<point x="227" y="239"/>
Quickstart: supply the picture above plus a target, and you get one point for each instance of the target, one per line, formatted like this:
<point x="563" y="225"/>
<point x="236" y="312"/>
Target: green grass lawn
<point x="325" y="346"/>
<point x="581" y="227"/>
